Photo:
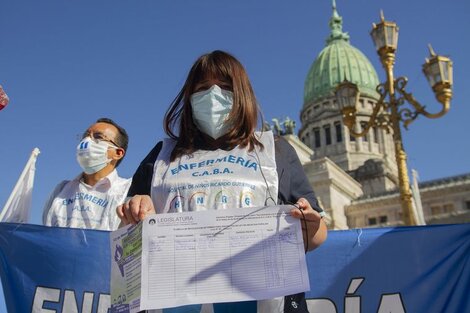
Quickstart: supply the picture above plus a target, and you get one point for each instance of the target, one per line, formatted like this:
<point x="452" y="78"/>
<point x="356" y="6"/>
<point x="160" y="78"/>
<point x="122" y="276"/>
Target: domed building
<point x="356" y="179"/>
<point x="322" y="127"/>
<point x="368" y="160"/>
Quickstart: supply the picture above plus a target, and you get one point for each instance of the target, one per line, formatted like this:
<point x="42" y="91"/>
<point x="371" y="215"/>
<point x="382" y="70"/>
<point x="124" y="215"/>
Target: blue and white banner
<point x="51" y="269"/>
<point x="383" y="270"/>
<point x="392" y="270"/>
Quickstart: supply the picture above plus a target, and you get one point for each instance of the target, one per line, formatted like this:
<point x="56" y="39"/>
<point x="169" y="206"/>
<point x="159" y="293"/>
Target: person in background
<point x="90" y="200"/>
<point x="214" y="117"/>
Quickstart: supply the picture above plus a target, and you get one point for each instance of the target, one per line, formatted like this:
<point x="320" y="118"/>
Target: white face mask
<point x="92" y="156"/>
<point x="211" y="108"/>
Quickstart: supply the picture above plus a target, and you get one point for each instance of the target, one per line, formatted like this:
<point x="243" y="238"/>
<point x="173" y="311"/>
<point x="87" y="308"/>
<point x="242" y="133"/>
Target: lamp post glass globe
<point x="385" y="36"/>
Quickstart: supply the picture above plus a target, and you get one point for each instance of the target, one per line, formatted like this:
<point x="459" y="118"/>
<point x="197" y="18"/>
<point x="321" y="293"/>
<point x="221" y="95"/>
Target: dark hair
<point x="122" y="138"/>
<point x="244" y="115"/>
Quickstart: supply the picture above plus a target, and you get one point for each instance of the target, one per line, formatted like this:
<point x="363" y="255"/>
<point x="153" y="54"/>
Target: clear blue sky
<point x="66" y="63"/>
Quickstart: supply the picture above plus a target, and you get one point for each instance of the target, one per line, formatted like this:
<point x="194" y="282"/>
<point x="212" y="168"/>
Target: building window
<point x="435" y="210"/>
<point x="448" y="208"/>
<point x="327" y="129"/>
<point x="372" y="221"/>
<point x="316" y="135"/>
<point x="376" y="135"/>
<point x="363" y="126"/>
<point x="467" y="204"/>
<point x="383" y="219"/>
<point x="339" y="133"/>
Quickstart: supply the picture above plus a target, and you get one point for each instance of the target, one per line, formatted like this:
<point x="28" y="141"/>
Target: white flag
<point x="18" y="206"/>
<point x="417" y="205"/>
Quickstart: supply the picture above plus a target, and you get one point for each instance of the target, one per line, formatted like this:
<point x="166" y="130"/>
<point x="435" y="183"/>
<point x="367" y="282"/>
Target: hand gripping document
<point x="175" y="259"/>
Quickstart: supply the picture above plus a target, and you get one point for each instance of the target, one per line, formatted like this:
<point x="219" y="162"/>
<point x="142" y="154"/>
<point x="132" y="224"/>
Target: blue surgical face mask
<point x="211" y="109"/>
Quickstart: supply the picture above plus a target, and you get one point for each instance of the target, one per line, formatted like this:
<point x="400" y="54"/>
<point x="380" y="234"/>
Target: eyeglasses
<point x="97" y="137"/>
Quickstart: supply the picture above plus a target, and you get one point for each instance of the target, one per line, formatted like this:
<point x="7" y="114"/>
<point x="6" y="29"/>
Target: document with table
<point x="176" y="259"/>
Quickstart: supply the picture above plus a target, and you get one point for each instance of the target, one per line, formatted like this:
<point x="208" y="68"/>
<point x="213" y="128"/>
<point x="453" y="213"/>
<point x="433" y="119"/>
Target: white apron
<point x="219" y="179"/>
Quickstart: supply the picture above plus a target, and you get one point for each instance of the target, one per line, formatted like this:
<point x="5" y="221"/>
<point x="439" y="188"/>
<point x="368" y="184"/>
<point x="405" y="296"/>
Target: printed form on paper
<point x="241" y="254"/>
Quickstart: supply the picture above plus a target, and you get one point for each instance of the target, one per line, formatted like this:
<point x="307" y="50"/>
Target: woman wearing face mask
<point x="89" y="200"/>
<point x="214" y="158"/>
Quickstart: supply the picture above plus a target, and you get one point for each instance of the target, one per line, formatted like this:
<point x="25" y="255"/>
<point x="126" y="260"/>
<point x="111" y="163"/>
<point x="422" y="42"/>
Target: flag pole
<point x="32" y="159"/>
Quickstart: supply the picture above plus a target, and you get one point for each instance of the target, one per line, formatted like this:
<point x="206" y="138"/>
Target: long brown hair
<point x="244" y="115"/>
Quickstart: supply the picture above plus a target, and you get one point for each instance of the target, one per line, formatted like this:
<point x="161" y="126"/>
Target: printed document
<point x="175" y="259"/>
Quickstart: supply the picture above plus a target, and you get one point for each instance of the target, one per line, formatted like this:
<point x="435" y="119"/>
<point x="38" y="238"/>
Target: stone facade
<point x="444" y="201"/>
<point x="349" y="205"/>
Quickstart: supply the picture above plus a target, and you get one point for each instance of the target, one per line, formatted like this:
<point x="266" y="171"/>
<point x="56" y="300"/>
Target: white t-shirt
<point x="75" y="204"/>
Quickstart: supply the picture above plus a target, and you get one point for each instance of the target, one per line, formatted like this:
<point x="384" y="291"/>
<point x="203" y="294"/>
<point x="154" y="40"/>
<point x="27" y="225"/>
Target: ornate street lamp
<point x="347" y="95"/>
<point x="385" y="36"/>
<point x="388" y="112"/>
<point x="438" y="71"/>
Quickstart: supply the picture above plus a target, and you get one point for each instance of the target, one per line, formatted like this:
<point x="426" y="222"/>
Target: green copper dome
<point x="335" y="63"/>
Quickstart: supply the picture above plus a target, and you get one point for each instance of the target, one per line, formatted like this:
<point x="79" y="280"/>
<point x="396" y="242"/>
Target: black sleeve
<point x="142" y="179"/>
<point x="293" y="183"/>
